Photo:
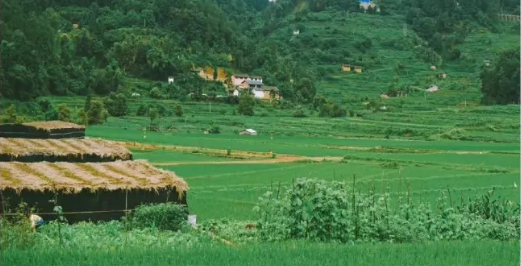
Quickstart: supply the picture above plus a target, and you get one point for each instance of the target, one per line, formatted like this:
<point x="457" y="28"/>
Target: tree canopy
<point x="500" y="83"/>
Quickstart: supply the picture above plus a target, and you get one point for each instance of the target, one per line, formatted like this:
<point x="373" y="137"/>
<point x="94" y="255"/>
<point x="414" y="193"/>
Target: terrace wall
<point x="100" y="205"/>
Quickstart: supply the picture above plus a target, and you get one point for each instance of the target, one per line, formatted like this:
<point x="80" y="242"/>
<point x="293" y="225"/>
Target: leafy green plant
<point x="163" y="216"/>
<point x="321" y="211"/>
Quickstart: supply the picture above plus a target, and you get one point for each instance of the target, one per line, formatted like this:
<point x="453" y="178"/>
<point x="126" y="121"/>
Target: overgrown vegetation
<point x="337" y="211"/>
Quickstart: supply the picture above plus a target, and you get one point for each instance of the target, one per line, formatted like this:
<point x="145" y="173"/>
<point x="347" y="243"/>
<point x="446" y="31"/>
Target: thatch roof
<point x="73" y="177"/>
<point x="50" y="125"/>
<point x="63" y="147"/>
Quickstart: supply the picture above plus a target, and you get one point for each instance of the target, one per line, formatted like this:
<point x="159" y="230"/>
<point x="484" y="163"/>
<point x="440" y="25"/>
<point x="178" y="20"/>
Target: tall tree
<point x="500" y="84"/>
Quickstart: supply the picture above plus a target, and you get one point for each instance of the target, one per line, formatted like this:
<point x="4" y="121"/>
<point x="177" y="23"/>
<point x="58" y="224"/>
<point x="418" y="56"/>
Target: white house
<point x="296" y="32"/>
<point x="170" y="80"/>
<point x="259" y="94"/>
<point x="135" y="94"/>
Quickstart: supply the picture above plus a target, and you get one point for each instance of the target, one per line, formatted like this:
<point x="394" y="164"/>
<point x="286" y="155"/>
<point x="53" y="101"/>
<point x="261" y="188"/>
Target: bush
<point x="116" y="104"/>
<point x="142" y="110"/>
<point x="156" y="93"/>
<point x="215" y="130"/>
<point x="299" y="113"/>
<point x="164" y="216"/>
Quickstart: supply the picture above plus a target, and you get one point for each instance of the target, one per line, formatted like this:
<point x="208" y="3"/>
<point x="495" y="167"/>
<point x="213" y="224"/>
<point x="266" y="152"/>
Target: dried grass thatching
<point x="50" y="125"/>
<point x="73" y="177"/>
<point x="17" y="147"/>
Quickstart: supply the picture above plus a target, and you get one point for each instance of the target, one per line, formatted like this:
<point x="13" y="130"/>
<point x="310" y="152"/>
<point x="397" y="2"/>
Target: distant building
<point x="346" y="68"/>
<point x="358" y="69"/>
<point x="366" y="4"/>
<point x="238" y="79"/>
<point x="170" y="80"/>
<point x="296" y="32"/>
<point x="266" y="93"/>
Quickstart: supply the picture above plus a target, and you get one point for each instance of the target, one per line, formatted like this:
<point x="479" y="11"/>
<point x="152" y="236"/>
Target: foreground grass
<point x="487" y="253"/>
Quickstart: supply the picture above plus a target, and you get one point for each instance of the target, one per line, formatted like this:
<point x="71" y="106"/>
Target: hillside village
<point x="236" y="84"/>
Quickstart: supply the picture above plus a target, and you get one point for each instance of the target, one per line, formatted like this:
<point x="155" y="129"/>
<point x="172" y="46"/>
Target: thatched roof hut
<point x="42" y="130"/>
<point x="87" y="191"/>
<point x="62" y="150"/>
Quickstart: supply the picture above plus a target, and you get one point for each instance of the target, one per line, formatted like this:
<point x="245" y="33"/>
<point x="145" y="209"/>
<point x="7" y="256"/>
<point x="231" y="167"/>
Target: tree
<point x="178" y="110"/>
<point x="64" y="112"/>
<point x="306" y="89"/>
<point x="116" y="104"/>
<point x="83" y="117"/>
<point x="246" y="104"/>
<point x="153" y="114"/>
<point x="10" y="115"/>
<point x="88" y="102"/>
<point x="97" y="113"/>
<point x="500" y="84"/>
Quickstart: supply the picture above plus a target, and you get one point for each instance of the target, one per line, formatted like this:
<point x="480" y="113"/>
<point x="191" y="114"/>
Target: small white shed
<point x="249" y="131"/>
<point x="432" y="89"/>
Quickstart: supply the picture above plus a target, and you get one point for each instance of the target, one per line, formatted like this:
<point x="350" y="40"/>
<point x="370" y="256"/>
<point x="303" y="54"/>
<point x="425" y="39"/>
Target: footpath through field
<point x="253" y="157"/>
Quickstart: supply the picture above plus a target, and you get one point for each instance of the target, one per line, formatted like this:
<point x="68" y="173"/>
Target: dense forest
<point x="65" y="47"/>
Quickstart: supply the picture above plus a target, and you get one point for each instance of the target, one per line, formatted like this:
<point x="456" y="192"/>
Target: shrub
<point x="142" y="110"/>
<point x="116" y="104"/>
<point x="299" y="113"/>
<point x="156" y="93"/>
<point x="214" y="130"/>
<point x="164" y="216"/>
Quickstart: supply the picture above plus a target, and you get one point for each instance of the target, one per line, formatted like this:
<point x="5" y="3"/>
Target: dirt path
<point x="286" y="159"/>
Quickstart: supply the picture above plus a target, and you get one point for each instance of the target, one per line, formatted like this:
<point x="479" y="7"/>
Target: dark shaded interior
<point x="86" y="201"/>
<point x="29" y="132"/>
<point x="72" y="158"/>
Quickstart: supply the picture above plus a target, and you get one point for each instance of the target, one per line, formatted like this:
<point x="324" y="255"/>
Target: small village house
<point x="238" y="79"/>
<point x="358" y="69"/>
<point x="346" y="68"/>
<point x="170" y="80"/>
<point x="267" y="93"/>
<point x="296" y="32"/>
<point x="75" y="26"/>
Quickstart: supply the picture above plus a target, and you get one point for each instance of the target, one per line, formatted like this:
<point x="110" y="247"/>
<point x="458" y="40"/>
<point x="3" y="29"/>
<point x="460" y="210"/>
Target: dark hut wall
<point x="100" y="205"/>
<point x="72" y="158"/>
<point x="29" y="132"/>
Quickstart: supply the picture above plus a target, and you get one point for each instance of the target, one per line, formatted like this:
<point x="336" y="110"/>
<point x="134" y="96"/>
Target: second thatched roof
<point x="74" y="177"/>
<point x="19" y="147"/>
